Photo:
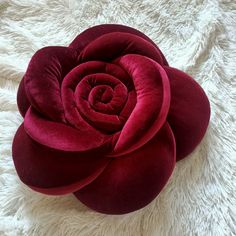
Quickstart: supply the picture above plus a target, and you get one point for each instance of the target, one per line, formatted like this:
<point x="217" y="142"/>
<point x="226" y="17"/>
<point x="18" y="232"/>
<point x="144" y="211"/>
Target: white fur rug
<point x="196" y="36"/>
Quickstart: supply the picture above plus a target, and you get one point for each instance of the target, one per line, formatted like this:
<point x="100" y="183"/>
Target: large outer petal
<point x="132" y="181"/>
<point x="87" y="36"/>
<point x="53" y="171"/>
<point x="189" y="112"/>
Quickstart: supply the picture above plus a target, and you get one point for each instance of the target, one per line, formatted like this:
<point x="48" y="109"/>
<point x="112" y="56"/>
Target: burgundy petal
<point x="189" y="111"/>
<point x="107" y="121"/>
<point x="132" y="181"/>
<point x="53" y="171"/>
<point x="43" y="77"/>
<point x="110" y="46"/>
<point x="22" y="100"/>
<point x="61" y="136"/>
<point x="89" y="35"/>
<point x="153" y="100"/>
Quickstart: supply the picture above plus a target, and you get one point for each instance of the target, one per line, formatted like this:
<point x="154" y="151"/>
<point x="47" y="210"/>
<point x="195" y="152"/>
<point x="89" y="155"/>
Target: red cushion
<point x="106" y="119"/>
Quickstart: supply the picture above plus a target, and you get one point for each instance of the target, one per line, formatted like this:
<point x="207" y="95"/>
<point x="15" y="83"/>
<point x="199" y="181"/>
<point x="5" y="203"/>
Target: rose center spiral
<point x="100" y="94"/>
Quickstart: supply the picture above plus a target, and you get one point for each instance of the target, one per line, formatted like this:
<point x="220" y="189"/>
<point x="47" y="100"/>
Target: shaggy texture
<point x="196" y="37"/>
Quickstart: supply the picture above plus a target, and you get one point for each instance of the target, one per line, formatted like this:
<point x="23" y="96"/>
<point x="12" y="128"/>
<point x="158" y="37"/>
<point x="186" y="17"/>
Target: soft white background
<point x="197" y="37"/>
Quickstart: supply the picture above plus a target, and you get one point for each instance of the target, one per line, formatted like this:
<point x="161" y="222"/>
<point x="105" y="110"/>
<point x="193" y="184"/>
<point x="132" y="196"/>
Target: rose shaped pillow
<point x="106" y="118"/>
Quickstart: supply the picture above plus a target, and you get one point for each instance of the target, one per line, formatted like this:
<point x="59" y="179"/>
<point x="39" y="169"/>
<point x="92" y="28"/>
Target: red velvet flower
<point x="106" y="118"/>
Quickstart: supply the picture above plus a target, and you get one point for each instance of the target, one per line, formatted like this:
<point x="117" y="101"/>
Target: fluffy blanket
<point x="197" y="37"/>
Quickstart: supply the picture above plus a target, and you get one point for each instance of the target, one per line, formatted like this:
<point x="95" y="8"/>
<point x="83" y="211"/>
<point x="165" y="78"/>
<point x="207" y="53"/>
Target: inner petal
<point x="153" y="100"/>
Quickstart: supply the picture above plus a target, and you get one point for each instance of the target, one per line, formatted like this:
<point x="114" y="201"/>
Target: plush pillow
<point x="106" y="119"/>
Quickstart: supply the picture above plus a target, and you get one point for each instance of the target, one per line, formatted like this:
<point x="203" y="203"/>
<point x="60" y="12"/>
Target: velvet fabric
<point x="106" y="119"/>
